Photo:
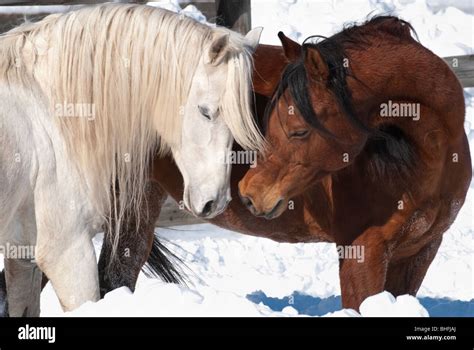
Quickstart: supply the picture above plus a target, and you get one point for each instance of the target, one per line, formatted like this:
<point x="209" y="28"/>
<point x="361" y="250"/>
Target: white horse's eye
<point x="205" y="112"/>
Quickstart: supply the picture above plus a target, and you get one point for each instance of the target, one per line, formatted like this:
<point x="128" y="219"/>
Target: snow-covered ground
<point x="224" y="269"/>
<point x="236" y="275"/>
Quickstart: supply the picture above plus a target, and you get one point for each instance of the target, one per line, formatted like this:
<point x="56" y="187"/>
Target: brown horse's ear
<point x="315" y="65"/>
<point x="291" y="48"/>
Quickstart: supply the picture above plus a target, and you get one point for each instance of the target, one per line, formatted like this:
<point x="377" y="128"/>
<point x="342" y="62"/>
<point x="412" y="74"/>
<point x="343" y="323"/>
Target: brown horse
<point x="368" y="126"/>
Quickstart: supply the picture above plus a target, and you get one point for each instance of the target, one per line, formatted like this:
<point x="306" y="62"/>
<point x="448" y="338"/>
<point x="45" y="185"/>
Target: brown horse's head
<point x="311" y="129"/>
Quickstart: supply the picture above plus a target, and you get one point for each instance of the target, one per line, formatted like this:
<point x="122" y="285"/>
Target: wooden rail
<point x="229" y="13"/>
<point x="463" y="66"/>
<point x="172" y="215"/>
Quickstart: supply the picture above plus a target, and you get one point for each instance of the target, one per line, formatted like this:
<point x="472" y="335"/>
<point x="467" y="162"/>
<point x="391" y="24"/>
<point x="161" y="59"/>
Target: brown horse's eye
<point x="299" y="134"/>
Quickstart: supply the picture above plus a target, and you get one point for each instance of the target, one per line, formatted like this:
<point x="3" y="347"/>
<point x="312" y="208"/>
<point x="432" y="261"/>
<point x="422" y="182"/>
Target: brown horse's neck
<point x="400" y="70"/>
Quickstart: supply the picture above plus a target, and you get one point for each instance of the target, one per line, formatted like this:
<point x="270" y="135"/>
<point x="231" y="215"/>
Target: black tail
<point x="163" y="263"/>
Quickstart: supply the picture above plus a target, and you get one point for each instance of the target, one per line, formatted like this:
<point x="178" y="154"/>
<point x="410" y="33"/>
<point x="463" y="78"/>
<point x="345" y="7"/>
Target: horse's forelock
<point x="237" y="99"/>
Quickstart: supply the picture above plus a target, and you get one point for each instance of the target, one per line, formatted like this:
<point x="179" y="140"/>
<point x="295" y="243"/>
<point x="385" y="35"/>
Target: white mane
<point x="133" y="65"/>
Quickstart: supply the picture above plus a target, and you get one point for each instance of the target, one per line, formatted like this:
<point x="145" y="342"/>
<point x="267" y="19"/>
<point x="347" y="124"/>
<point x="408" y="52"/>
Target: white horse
<point x="85" y="98"/>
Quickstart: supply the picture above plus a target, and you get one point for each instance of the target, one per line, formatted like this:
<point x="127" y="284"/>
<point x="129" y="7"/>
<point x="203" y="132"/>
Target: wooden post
<point x="234" y="14"/>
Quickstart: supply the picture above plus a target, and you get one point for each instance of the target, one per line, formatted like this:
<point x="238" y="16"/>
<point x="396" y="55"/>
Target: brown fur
<point x="400" y="243"/>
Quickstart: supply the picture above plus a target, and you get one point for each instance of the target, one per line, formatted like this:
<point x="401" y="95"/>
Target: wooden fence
<point x="230" y="13"/>
<point x="235" y="14"/>
<point x="463" y="66"/>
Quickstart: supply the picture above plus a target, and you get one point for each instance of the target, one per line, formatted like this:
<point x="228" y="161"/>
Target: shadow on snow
<point x="314" y="306"/>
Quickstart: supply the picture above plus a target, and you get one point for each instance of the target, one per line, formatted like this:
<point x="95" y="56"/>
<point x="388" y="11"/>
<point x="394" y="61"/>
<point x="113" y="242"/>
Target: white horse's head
<point x="217" y="110"/>
<point x="157" y="81"/>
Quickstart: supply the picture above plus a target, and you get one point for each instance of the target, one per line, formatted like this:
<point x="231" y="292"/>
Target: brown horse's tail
<point x="163" y="263"/>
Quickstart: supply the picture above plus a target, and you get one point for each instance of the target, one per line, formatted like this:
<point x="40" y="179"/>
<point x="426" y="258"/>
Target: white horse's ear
<point x="253" y="37"/>
<point x="218" y="49"/>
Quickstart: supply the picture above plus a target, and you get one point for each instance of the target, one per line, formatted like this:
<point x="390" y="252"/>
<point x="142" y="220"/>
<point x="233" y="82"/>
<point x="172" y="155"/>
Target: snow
<point x="243" y="264"/>
<point x="447" y="31"/>
<point x="156" y="298"/>
<point x="173" y="5"/>
<point x="236" y="275"/>
<point x="384" y="304"/>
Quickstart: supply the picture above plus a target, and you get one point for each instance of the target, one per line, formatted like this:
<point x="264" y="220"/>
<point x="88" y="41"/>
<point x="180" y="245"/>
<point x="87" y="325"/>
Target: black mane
<point x="332" y="50"/>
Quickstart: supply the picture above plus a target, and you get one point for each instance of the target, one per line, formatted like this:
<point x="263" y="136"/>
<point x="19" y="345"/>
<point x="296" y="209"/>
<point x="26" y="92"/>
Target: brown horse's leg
<point x="406" y="276"/>
<point x="134" y="245"/>
<point x="362" y="278"/>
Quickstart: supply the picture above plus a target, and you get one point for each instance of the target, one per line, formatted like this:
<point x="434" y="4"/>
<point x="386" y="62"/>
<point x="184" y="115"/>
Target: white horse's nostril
<point x="208" y="208"/>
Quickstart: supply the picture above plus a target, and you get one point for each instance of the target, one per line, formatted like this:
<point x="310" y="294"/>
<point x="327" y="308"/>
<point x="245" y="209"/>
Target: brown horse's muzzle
<point x="260" y="198"/>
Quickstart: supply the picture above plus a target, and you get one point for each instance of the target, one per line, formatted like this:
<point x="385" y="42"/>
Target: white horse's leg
<point x="64" y="249"/>
<point x="70" y="264"/>
<point x="23" y="279"/>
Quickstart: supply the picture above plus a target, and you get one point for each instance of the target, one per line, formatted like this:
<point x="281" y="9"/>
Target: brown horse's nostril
<point x="272" y="213"/>
<point x="247" y="201"/>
